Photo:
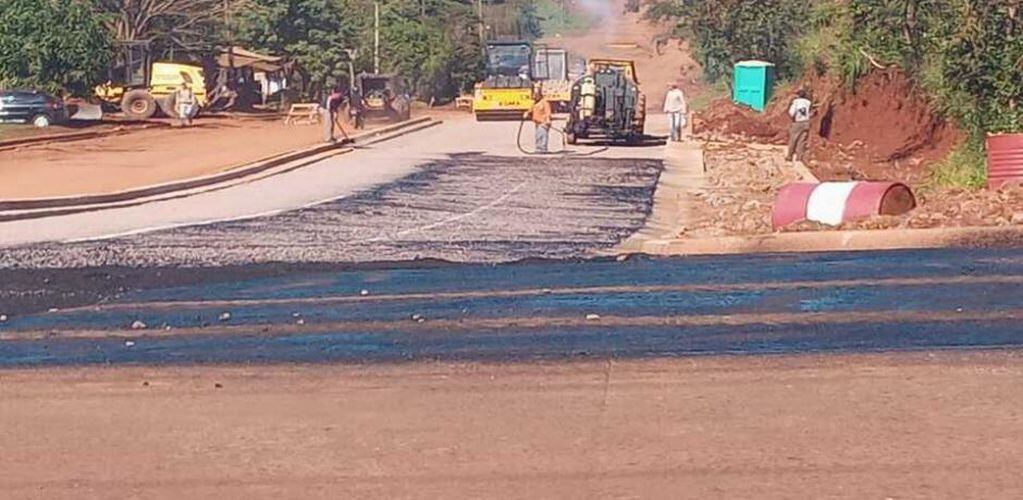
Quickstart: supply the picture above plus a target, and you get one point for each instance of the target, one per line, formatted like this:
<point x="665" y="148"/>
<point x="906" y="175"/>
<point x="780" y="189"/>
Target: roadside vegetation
<point x="64" y="47"/>
<point x="965" y="55"/>
<point x="51" y="45"/>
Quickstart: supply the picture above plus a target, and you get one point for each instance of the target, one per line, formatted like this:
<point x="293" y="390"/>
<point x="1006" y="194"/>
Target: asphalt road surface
<point x="857" y="375"/>
<point x="227" y="345"/>
<point x="430" y="193"/>
<point x="642" y="307"/>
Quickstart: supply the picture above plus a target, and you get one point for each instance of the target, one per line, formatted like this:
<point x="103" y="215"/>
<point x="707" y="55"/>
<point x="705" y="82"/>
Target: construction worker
<point x="357" y="108"/>
<point x="184" y="104"/>
<point x="329" y="113"/>
<point x="675" y="107"/>
<point x="799" y="132"/>
<point x="540" y="115"/>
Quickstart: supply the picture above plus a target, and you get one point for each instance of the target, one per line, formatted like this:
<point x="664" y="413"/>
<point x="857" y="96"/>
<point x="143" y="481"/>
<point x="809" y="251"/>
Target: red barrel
<point x="833" y="203"/>
<point x="1004" y="160"/>
<point x="790" y="205"/>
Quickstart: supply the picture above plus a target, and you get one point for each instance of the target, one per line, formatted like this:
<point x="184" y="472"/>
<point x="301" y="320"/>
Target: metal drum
<point x="833" y="203"/>
<point x="1004" y="160"/>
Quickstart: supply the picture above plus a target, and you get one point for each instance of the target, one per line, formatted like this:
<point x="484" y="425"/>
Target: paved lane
<point x="466" y="207"/>
<point x="342" y="176"/>
<point x="642" y="307"/>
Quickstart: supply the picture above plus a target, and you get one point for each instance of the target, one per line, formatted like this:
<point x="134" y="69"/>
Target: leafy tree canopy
<point x="55" y="45"/>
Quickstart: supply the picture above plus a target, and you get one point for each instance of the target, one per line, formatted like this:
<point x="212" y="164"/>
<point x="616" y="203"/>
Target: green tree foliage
<point x="727" y="31"/>
<point x="968" y="54"/>
<point x="512" y="19"/>
<point x="54" y="45"/>
<point x="978" y="52"/>
<point x="434" y="44"/>
<point x="313" y="33"/>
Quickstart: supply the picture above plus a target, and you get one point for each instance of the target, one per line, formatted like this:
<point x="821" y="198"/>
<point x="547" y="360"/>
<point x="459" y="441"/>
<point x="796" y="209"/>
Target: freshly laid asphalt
<point x="641" y="307"/>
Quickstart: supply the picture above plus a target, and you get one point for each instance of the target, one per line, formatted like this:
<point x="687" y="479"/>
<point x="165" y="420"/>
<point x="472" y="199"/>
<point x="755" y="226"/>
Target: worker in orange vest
<point x="540" y="115"/>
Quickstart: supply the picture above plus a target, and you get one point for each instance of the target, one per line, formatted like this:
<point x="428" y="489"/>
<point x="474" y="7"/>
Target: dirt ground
<point x="144" y="157"/>
<point x="883" y="130"/>
<point x="9" y="131"/>
<point x="744" y="179"/>
<point x="879" y="426"/>
<point x="742" y="183"/>
<point x="623" y="35"/>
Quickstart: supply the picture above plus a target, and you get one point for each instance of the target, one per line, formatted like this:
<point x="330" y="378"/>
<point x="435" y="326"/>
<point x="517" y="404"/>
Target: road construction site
<point x="240" y="310"/>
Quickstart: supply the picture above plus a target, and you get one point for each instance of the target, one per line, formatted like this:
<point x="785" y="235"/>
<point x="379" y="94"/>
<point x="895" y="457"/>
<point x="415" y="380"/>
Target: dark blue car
<point x="28" y="106"/>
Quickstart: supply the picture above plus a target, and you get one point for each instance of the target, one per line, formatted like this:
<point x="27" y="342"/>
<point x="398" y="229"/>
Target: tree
<point x="727" y="31"/>
<point x="978" y="52"/>
<point x="313" y="33"/>
<point x="434" y="44"/>
<point x="168" y="24"/>
<point x="56" y="45"/>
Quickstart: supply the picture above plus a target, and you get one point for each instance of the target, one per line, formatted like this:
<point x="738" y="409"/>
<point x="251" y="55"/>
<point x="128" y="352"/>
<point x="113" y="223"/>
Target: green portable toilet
<point x="754" y="83"/>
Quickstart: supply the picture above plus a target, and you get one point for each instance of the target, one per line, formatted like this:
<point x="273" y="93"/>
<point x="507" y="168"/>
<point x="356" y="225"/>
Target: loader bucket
<point x="85" y="111"/>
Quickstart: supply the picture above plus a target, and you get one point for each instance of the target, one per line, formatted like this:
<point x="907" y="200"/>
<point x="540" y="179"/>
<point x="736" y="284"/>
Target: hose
<point x="518" y="142"/>
<point x="564" y="139"/>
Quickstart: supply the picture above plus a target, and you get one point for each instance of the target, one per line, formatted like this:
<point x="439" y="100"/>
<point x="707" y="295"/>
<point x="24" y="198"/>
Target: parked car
<point x="29" y="106"/>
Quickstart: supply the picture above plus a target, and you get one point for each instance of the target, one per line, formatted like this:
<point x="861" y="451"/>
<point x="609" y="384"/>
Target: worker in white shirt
<point x="675" y="107"/>
<point x="799" y="132"/>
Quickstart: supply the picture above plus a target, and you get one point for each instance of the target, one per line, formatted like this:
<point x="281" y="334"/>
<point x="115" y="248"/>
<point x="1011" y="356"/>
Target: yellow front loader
<point x="138" y="87"/>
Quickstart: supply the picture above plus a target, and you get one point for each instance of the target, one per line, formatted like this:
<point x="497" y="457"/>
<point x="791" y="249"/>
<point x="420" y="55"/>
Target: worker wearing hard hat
<point x="540" y="115"/>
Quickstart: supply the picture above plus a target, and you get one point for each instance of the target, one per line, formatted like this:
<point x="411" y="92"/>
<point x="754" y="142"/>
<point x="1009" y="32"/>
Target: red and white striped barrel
<point x="833" y="203"/>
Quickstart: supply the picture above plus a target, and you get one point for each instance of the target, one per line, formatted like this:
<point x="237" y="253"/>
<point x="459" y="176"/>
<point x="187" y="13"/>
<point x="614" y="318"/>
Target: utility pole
<point x="352" y="54"/>
<point x="376" y="37"/>
<point x="483" y="36"/>
<point x="230" y="37"/>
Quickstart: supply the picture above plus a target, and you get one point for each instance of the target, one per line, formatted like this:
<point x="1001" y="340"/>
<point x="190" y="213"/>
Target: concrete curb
<point x="831" y="241"/>
<point x="167" y="187"/>
<point x="47" y="207"/>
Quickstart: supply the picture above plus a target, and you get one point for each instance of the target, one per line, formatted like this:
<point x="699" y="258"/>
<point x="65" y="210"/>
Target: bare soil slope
<point x="881" y="130"/>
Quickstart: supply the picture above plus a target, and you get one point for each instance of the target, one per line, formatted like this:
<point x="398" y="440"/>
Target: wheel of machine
<point x="41" y="121"/>
<point x="571" y="138"/>
<point x="167" y="106"/>
<point x="138" y="105"/>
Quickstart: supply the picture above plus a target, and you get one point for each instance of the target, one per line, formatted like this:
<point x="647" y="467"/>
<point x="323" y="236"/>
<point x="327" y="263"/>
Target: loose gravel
<point x="466" y="208"/>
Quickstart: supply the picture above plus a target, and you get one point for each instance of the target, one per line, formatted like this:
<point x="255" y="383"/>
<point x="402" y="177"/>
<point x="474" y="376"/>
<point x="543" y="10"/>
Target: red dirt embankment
<point x="883" y="129"/>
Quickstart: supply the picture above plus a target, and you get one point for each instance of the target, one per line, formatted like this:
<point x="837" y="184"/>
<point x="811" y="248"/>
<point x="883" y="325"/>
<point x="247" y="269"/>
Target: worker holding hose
<point x="540" y="115"/>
